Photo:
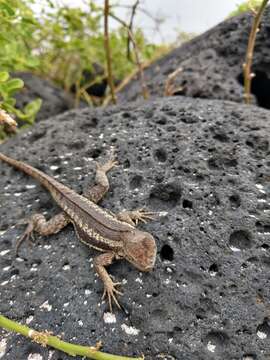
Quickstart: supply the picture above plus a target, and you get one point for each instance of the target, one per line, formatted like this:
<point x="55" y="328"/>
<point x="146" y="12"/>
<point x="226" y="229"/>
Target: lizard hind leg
<point x="96" y="192"/>
<point x="37" y="223"/>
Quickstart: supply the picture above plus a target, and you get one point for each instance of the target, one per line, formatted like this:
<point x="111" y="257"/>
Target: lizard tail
<point x="28" y="169"/>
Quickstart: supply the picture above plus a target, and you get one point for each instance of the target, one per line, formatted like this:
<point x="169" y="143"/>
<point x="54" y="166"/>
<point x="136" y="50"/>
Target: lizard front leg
<point x="134" y="216"/>
<point x="109" y="286"/>
<point x="37" y="223"/>
<point x="96" y="192"/>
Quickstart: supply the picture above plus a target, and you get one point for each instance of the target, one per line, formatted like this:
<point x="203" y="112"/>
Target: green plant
<point x="246" y="6"/>
<point x="17" y="24"/>
<point x="8" y="87"/>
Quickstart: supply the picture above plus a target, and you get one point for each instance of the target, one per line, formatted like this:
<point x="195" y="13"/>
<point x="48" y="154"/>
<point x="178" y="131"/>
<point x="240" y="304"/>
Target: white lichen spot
<point x="235" y="249"/>
<point x="130" y="330"/>
<point x="87" y="292"/>
<point x="262" y="335"/>
<point x="29" y="319"/>
<point x="50" y="355"/>
<point x="139" y="280"/>
<point x="54" y="167"/>
<point x="66" y="267"/>
<point x="77" y="168"/>
<point x="109" y="318"/>
<point x="4" y="252"/>
<point x="66" y="304"/>
<point x="6" y="268"/>
<point x="211" y="347"/>
<point x="30" y="186"/>
<point x="17" y="194"/>
<point x="80" y="323"/>
<point x="124" y="281"/>
<point x="3" y="346"/>
<point x="163" y="213"/>
<point x="47" y="247"/>
<point x="170" y="340"/>
<point x="167" y="281"/>
<point x="46" y="306"/>
<point x="4" y="283"/>
<point x="34" y="356"/>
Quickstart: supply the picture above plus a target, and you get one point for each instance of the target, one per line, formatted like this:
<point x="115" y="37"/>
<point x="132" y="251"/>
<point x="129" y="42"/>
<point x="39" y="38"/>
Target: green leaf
<point x="13" y="85"/>
<point x="33" y="107"/>
<point x="6" y="8"/>
<point x="4" y="75"/>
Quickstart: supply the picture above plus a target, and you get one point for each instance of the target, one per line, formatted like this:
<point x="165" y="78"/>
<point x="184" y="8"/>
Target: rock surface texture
<point x="204" y="165"/>
<point x="212" y="65"/>
<point x="54" y="99"/>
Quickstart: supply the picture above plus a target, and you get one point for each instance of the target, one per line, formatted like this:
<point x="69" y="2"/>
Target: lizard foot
<point x="107" y="166"/>
<point x="28" y="235"/>
<point x="143" y="215"/>
<point x="110" y="292"/>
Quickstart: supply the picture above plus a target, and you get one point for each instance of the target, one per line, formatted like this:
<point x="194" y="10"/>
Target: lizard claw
<point x="110" y="292"/>
<point x="143" y="215"/>
<point x="108" y="165"/>
<point x="28" y="235"/>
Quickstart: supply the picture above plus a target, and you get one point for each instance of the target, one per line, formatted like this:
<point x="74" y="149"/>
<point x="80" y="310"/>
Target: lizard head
<point x="140" y="250"/>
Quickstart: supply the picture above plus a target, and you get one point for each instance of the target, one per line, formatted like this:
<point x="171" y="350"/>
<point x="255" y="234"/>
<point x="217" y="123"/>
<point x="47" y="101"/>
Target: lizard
<point x="115" y="235"/>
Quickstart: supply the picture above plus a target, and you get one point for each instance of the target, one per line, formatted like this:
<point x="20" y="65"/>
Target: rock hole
<point x="259" y="87"/>
<point x="235" y="201"/>
<point x="136" y="182"/>
<point x="222" y="137"/>
<point x="216" y="341"/>
<point x="77" y="144"/>
<point x="166" y="253"/>
<point x="167" y="194"/>
<point x="187" y="204"/>
<point x="94" y="153"/>
<point x="240" y="240"/>
<point x="160" y="155"/>
<point x="213" y="269"/>
<point x="263" y="330"/>
<point x="249" y="357"/>
<point x="265" y="247"/>
<point x="262" y="228"/>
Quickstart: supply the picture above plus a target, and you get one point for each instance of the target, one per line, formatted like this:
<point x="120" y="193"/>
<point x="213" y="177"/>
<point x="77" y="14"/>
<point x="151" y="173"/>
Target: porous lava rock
<point x="204" y="166"/>
<point x="54" y="99"/>
<point x="212" y="65"/>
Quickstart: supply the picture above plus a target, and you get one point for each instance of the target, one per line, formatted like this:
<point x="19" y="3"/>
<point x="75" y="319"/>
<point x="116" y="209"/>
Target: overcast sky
<point x="194" y="16"/>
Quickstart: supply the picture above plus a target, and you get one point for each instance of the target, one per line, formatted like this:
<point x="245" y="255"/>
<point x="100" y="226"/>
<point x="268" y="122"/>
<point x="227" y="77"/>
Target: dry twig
<point x="107" y="49"/>
<point x="169" y="85"/>
<point x="136" y="51"/>
<point x="133" y="12"/>
<point x="248" y="75"/>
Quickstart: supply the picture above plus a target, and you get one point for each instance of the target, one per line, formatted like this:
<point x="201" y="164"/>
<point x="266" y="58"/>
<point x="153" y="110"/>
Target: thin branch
<point x="5" y="118"/>
<point x="250" y="50"/>
<point x="46" y="338"/>
<point x="139" y="64"/>
<point x="170" y="89"/>
<point x="107" y="49"/>
<point x="133" y="12"/>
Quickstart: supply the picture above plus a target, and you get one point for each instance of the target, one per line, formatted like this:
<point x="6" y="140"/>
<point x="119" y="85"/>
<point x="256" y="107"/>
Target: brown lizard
<point x="114" y="235"/>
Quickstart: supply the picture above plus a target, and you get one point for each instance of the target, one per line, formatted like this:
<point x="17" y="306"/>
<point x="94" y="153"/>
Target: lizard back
<point x="82" y="211"/>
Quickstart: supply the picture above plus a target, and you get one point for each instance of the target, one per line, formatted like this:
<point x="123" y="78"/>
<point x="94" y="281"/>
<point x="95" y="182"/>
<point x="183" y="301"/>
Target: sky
<point x="193" y="16"/>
